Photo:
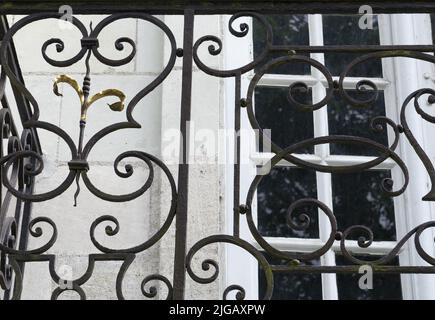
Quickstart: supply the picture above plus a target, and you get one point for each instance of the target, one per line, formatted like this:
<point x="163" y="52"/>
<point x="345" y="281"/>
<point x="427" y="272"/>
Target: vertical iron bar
<point x="5" y="105"/>
<point x="236" y="195"/>
<point x="183" y="168"/>
<point x="25" y="112"/>
<point x="22" y="217"/>
<point x="24" y="223"/>
<point x="23" y="105"/>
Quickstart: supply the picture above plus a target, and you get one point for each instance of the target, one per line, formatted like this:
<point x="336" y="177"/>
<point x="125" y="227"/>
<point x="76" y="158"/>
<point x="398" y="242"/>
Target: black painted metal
<point x="183" y="171"/>
<point x="216" y="6"/>
<point x="23" y="160"/>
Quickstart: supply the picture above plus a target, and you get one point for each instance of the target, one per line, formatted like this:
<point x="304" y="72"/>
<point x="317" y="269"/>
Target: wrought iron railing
<point x="23" y="160"/>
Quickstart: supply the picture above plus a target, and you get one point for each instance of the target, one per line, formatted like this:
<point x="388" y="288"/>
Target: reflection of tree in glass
<point x="344" y="30"/>
<point x="276" y="193"/>
<point x="293" y="286"/>
<point x="287" y="30"/>
<point x="344" y="119"/>
<point x="288" y="124"/>
<point x="358" y="200"/>
<point x="385" y="286"/>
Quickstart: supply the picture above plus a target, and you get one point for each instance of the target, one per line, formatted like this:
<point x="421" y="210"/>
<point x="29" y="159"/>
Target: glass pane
<point x="344" y="30"/>
<point x="344" y="119"/>
<point x="292" y="286"/>
<point x="276" y="192"/>
<point x="385" y="286"/>
<point x="358" y="200"/>
<point x="287" y="30"/>
<point x="288" y="124"/>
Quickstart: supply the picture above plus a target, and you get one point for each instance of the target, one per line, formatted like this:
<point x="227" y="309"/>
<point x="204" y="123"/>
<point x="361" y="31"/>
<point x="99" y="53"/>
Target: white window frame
<point x="401" y="77"/>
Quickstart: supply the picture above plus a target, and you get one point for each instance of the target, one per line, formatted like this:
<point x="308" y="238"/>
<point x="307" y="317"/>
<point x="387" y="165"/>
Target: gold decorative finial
<point x="86" y="103"/>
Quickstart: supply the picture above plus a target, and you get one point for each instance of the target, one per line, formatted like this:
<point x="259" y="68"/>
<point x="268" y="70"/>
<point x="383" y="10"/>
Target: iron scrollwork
<point x="79" y="153"/>
<point x="29" y="163"/>
<point x="261" y="65"/>
<point x="22" y="163"/>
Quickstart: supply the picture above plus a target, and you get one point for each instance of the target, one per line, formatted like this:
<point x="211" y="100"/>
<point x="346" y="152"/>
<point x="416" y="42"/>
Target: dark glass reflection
<point x="288" y="124"/>
<point x="358" y="200"/>
<point x="344" y="30"/>
<point x="345" y="119"/>
<point x="385" y="286"/>
<point x="292" y="286"/>
<point x="287" y="30"/>
<point x="276" y="192"/>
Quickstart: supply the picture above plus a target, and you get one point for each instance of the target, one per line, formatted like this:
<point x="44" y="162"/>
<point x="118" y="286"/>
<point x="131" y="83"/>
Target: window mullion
<point x="329" y="283"/>
<point x="306" y="245"/>
<point x="345" y="160"/>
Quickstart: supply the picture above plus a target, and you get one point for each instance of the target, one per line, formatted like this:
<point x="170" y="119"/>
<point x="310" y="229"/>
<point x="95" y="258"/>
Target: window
<point x="357" y="198"/>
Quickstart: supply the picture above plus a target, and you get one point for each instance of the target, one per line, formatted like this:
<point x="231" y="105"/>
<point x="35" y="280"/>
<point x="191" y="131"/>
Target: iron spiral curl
<point x="242" y="32"/>
<point x="89" y="44"/>
<point x="151" y="292"/>
<point x="209" y="263"/>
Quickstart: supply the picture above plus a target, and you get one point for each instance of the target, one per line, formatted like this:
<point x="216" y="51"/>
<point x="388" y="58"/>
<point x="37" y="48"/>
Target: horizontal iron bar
<point x="353" y="48"/>
<point x="352" y="269"/>
<point x="217" y="6"/>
